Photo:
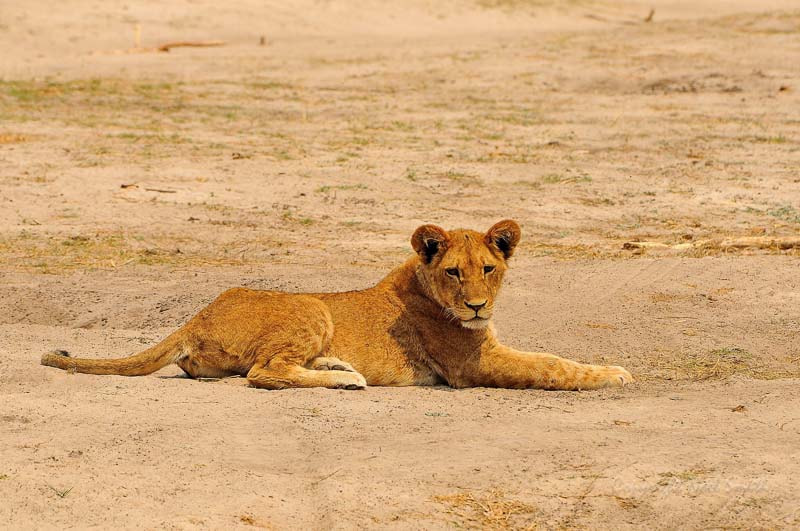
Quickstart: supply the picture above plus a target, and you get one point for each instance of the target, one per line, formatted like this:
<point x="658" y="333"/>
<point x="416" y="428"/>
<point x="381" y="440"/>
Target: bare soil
<point x="136" y="185"/>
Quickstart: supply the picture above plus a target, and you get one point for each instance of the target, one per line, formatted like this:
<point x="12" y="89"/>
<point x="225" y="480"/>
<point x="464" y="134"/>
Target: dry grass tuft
<point x="689" y="474"/>
<point x="55" y="254"/>
<point x="488" y="511"/>
<point x="719" y="364"/>
<point x="574" y="251"/>
<point x="249" y="520"/>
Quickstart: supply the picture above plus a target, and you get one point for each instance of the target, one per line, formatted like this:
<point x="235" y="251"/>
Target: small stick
<point x="320" y="480"/>
<point x="745" y="242"/>
<point x="182" y="44"/>
<point x="166" y="47"/>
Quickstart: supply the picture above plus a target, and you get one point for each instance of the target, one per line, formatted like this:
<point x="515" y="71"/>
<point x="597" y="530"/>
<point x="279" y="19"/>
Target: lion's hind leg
<point x="288" y="357"/>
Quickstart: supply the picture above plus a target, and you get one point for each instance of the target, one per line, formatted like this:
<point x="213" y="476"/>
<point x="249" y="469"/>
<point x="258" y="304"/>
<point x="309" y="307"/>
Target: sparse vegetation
<point x="689" y="474"/>
<point x="461" y="177"/>
<point x="150" y="182"/>
<point x="720" y="363"/>
<point x="786" y="213"/>
<point x="488" y="510"/>
<point x="780" y="139"/>
<point x="345" y="187"/>
<point x="61" y="493"/>
<point x="51" y="255"/>
<point x="557" y="178"/>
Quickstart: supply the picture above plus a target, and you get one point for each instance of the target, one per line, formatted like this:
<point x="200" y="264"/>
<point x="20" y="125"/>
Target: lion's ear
<point x="504" y="236"/>
<point x="428" y="241"/>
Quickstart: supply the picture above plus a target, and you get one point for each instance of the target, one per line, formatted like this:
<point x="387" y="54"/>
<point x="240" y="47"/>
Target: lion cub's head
<point x="463" y="269"/>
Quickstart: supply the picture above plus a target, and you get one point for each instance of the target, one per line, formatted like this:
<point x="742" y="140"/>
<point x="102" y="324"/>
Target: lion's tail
<point x="146" y="362"/>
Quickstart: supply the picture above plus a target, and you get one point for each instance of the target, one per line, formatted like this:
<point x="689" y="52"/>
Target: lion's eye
<point x="488" y="269"/>
<point x="452" y="271"/>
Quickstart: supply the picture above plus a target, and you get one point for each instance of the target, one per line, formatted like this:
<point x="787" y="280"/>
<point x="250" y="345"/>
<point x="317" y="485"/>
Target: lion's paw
<point x="352" y="381"/>
<point x="618" y="376"/>
<point x="330" y="364"/>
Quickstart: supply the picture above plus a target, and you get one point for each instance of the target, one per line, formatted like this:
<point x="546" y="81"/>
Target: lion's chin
<point x="476" y="323"/>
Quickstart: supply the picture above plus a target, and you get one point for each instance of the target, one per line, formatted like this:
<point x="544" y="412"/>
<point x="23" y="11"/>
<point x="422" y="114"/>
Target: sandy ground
<point x="134" y="187"/>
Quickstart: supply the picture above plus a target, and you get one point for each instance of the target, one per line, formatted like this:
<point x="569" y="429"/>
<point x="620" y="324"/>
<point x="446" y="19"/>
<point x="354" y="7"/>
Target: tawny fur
<point x="428" y="322"/>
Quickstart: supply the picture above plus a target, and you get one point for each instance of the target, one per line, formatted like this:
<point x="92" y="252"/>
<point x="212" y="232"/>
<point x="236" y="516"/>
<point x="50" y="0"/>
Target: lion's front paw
<point x="617" y="376"/>
<point x="600" y="376"/>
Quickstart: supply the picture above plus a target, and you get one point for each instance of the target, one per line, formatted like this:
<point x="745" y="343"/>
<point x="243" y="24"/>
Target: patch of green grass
<point x="289" y="216"/>
<point x="22" y="93"/>
<point x="94" y="103"/>
<point x="153" y="138"/>
<point x="780" y="139"/>
<point x="785" y="213"/>
<point x="399" y="125"/>
<point x="557" y="178"/>
<point x="596" y="201"/>
<point x="59" y="254"/>
<point x="40" y="91"/>
<point x="518" y="155"/>
<point x="528" y="184"/>
<point x="522" y="117"/>
<point x="152" y="88"/>
<point x="461" y="177"/>
<point x="282" y="154"/>
<point x="684" y="475"/>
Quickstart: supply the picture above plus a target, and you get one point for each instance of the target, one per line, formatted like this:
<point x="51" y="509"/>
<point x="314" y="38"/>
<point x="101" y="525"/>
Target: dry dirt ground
<point x="134" y="187"/>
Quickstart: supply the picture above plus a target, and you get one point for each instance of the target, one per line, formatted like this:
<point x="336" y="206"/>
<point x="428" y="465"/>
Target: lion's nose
<point x="476" y="306"/>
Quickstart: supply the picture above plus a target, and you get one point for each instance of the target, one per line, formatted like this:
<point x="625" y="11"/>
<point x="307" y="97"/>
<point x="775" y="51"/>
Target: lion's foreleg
<point x="504" y="367"/>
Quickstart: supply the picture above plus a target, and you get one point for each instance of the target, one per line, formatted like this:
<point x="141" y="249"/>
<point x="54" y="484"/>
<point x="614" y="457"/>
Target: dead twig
<point x="61" y="493"/>
<point x="166" y="47"/>
<point x="320" y="480"/>
<point x="188" y="44"/>
<point x="723" y="244"/>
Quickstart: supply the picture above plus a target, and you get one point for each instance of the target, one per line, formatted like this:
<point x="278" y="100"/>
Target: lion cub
<point x="427" y="323"/>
